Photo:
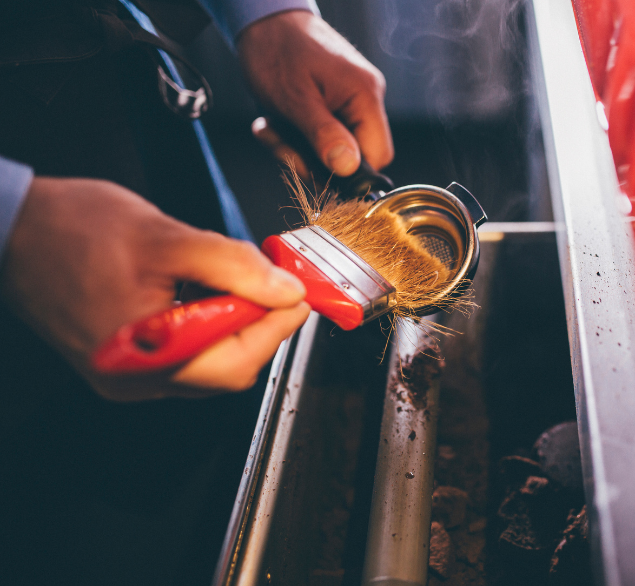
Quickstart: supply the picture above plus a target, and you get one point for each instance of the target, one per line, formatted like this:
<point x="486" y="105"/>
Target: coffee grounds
<point x="449" y="506"/>
<point x="441" y="551"/>
<point x="416" y="375"/>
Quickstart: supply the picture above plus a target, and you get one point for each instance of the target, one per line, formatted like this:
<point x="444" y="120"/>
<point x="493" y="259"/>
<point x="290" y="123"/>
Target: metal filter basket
<point x="445" y="221"/>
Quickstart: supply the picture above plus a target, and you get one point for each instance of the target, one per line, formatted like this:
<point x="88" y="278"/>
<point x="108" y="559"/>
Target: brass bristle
<point x="384" y="243"/>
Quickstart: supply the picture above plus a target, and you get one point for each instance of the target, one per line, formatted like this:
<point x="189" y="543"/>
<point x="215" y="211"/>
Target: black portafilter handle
<point x="364" y="183"/>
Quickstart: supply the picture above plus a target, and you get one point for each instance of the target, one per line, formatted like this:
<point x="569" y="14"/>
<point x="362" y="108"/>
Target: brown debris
<point x="441" y="551"/>
<point x="521" y="535"/>
<point x="533" y="515"/>
<point x="416" y="375"/>
<point x="534" y="485"/>
<point x="516" y="469"/>
<point x="570" y="562"/>
<point x="419" y="371"/>
<point x="469" y="548"/>
<point x="449" y="505"/>
<point x="534" y="523"/>
<point x="477" y="525"/>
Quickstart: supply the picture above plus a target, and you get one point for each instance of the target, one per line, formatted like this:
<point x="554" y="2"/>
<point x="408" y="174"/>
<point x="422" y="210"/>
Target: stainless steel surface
<point x="344" y="268"/>
<point x="317" y="430"/>
<point x="430" y="211"/>
<point x="275" y="386"/>
<point x="383" y="285"/>
<point x="500" y="350"/>
<point x="597" y="262"/>
<point x="498" y="230"/>
<point x="399" y="525"/>
<point x="256" y="535"/>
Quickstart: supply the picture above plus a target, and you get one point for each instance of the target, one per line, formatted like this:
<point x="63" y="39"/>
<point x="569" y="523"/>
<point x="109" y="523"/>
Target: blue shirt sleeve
<point x="15" y="180"/>
<point x="232" y="16"/>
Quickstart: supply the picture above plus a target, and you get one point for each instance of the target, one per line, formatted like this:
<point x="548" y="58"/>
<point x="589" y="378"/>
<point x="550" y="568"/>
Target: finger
<point x="234" y="363"/>
<point x="230" y="365"/>
<point x="233" y="266"/>
<point x="366" y="115"/>
<point x="332" y="141"/>
<point x="263" y="131"/>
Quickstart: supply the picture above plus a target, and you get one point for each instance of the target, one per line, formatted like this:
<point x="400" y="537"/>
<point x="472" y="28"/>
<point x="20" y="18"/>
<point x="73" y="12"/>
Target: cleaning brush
<point x="382" y="240"/>
<point x="358" y="260"/>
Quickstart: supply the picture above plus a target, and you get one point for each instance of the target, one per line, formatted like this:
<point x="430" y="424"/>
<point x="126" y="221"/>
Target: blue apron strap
<point x="233" y="217"/>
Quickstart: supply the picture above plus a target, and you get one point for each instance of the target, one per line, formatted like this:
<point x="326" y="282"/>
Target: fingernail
<point x="342" y="159"/>
<point x="281" y="279"/>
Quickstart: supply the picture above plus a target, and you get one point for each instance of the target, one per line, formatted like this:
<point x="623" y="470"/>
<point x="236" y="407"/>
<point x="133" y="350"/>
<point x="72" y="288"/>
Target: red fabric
<point x="596" y="26"/>
<point x="607" y="32"/>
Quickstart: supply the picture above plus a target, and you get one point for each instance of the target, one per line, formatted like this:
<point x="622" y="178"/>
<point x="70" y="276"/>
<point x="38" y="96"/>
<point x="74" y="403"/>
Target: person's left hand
<point x="299" y="66"/>
<point x="87" y="256"/>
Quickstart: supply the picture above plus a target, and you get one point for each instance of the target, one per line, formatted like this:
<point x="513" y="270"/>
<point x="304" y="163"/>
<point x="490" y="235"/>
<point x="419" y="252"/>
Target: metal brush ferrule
<point x="360" y="281"/>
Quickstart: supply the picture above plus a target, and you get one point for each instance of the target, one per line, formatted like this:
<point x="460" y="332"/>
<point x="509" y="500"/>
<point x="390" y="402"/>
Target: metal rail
<point x="597" y="260"/>
<point x="258" y="532"/>
<point x="278" y="381"/>
<point x="399" y="526"/>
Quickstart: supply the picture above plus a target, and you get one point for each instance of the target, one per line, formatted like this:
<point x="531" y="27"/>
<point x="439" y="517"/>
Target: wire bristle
<point x="385" y="244"/>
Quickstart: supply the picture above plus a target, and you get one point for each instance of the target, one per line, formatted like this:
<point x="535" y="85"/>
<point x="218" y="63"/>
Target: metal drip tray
<point x="303" y="515"/>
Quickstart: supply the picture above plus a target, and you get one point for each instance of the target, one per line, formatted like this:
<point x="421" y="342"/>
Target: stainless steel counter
<point x="597" y="260"/>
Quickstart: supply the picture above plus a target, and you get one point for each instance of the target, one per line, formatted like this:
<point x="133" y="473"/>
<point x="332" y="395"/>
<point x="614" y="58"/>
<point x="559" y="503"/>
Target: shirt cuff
<point x="15" y="180"/>
<point x="233" y="16"/>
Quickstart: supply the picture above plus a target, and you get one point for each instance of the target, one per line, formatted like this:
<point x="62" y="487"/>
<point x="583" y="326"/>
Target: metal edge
<point x="256" y="521"/>
<point x="597" y="259"/>
<point x="340" y="269"/>
<point x="356" y="271"/>
<point x="328" y="269"/>
<point x="276" y="384"/>
<point x="367" y="269"/>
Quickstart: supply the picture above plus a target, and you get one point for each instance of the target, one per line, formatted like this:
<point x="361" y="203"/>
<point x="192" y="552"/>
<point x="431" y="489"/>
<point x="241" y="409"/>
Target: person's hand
<point x="88" y="256"/>
<point x="298" y="66"/>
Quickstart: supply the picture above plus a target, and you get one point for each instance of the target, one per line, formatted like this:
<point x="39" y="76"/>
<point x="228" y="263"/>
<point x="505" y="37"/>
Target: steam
<point x="461" y="57"/>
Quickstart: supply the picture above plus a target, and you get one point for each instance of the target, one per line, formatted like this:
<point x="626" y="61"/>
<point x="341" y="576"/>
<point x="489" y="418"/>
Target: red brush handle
<point x="171" y="337"/>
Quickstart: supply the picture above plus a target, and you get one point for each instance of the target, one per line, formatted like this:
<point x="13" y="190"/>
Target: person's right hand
<point x="88" y="256"/>
<point x="303" y="70"/>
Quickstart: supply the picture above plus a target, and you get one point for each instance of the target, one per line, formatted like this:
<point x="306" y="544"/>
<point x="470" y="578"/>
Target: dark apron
<point x="93" y="492"/>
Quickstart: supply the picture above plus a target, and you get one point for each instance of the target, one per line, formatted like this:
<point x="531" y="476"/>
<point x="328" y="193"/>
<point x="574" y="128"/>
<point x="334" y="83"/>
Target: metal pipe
<point x="397" y="547"/>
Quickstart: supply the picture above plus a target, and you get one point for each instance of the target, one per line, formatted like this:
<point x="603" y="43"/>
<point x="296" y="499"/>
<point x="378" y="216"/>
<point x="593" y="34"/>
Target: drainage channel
<point x="351" y="477"/>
